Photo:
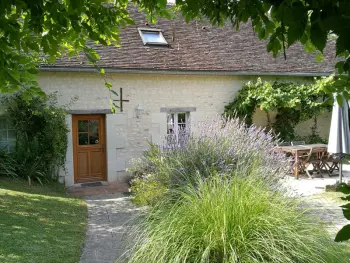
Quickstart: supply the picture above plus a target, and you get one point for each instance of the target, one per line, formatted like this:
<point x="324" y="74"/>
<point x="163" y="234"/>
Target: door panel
<point x="96" y="165"/>
<point x="89" y="148"/>
<point x="83" y="161"/>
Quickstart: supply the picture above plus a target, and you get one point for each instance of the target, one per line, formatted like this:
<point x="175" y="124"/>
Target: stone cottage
<point x="166" y="75"/>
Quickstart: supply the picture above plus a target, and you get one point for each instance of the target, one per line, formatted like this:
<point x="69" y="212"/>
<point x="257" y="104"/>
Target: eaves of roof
<point x="184" y="72"/>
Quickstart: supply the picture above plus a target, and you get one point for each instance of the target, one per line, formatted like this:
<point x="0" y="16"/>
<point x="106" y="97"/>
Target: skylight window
<point x="151" y="36"/>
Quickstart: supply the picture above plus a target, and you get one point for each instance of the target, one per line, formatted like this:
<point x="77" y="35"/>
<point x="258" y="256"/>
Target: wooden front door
<point x="89" y="144"/>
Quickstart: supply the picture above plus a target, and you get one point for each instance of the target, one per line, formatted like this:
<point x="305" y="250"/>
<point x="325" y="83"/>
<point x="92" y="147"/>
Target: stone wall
<point x="127" y="135"/>
<point x="303" y="128"/>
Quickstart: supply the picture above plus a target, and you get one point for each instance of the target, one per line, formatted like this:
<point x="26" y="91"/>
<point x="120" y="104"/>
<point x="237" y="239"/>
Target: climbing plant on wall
<point x="293" y="103"/>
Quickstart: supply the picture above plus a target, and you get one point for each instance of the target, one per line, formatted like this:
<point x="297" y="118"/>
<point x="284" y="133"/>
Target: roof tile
<point x="201" y="47"/>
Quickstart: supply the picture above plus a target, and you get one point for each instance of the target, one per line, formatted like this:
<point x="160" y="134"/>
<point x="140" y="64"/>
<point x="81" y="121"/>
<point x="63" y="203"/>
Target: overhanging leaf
<point x="347" y="198"/>
<point x="274" y="45"/>
<point x="340" y="100"/>
<point x="261" y="33"/>
<point x="346" y="211"/>
<point x="319" y="57"/>
<point x="342" y="43"/>
<point x="115" y="93"/>
<point x="295" y="32"/>
<point x="343" y="234"/>
<point x="340" y="67"/>
<point x="346" y="65"/>
<point x="318" y="36"/>
<point x="108" y="85"/>
<point x="347" y="97"/>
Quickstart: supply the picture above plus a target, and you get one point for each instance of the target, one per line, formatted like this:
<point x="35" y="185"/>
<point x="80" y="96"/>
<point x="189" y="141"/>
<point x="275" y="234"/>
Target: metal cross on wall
<point x="121" y="99"/>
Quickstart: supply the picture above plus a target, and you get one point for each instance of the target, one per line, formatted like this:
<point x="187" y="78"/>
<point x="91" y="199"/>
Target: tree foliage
<point x="293" y="103"/>
<point x="284" y="22"/>
<point x="53" y="28"/>
<point x="39" y="31"/>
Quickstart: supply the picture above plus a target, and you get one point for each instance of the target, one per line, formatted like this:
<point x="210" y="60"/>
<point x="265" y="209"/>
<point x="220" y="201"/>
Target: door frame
<point x="102" y="134"/>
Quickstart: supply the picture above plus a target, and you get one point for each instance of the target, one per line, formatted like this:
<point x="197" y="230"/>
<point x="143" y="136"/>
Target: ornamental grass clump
<point x="218" y="146"/>
<point x="226" y="218"/>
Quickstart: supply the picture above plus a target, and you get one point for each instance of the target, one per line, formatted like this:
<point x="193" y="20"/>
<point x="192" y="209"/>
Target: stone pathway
<point x="307" y="187"/>
<point x="110" y="218"/>
<point x="330" y="213"/>
<point x="328" y="210"/>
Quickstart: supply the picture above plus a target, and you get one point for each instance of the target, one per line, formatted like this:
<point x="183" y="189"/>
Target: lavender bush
<point x="214" y="199"/>
<point x="219" y="147"/>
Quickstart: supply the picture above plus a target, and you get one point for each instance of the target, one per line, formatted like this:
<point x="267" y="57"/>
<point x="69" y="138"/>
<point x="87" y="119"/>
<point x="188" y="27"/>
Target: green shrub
<point x="149" y="190"/>
<point x="41" y="135"/>
<point x="7" y="164"/>
<point x="220" y="219"/>
<point x="150" y="162"/>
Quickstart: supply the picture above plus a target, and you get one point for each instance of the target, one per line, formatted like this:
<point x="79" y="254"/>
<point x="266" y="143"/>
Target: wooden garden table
<point x="298" y="150"/>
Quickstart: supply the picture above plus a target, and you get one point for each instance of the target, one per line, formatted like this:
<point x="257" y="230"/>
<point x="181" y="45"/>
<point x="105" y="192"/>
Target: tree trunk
<point x="269" y="123"/>
<point x="314" y="127"/>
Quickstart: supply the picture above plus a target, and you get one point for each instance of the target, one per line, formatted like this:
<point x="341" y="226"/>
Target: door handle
<point x="103" y="148"/>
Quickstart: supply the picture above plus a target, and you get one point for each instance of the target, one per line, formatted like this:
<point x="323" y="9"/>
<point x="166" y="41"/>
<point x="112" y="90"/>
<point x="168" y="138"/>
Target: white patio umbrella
<point x="339" y="134"/>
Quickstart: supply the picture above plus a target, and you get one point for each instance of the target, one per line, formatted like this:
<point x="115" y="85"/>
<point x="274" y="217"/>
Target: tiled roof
<point x="201" y="47"/>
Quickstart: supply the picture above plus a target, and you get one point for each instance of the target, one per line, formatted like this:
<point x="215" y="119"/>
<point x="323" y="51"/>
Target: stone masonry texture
<point x="128" y="135"/>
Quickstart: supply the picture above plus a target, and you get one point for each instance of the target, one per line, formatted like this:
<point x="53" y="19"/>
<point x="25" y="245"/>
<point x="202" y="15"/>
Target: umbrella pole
<point x="340" y="171"/>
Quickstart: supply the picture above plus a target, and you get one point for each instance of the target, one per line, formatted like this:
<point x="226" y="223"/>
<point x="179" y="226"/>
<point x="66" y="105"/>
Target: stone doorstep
<point x="74" y="186"/>
<point x="105" y="188"/>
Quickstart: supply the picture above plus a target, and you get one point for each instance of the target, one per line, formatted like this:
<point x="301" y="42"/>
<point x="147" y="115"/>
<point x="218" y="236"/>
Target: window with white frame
<point x="7" y="136"/>
<point x="177" y="127"/>
<point x="152" y="36"/>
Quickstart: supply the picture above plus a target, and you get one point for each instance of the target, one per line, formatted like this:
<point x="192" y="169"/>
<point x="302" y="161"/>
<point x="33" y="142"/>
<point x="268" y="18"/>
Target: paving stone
<point x="104" y="189"/>
<point x="110" y="217"/>
<point x="327" y="210"/>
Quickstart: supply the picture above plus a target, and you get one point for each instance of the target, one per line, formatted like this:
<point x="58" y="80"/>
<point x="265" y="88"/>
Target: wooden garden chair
<point x="315" y="157"/>
<point x="334" y="159"/>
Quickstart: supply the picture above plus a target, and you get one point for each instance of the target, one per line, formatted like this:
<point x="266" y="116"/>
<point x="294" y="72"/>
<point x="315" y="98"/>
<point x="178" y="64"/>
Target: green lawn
<point x="40" y="224"/>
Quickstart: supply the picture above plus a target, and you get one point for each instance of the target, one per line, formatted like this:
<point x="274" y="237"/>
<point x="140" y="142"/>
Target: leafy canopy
<point x="283" y="22"/>
<point x="63" y="27"/>
<point x="31" y="29"/>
